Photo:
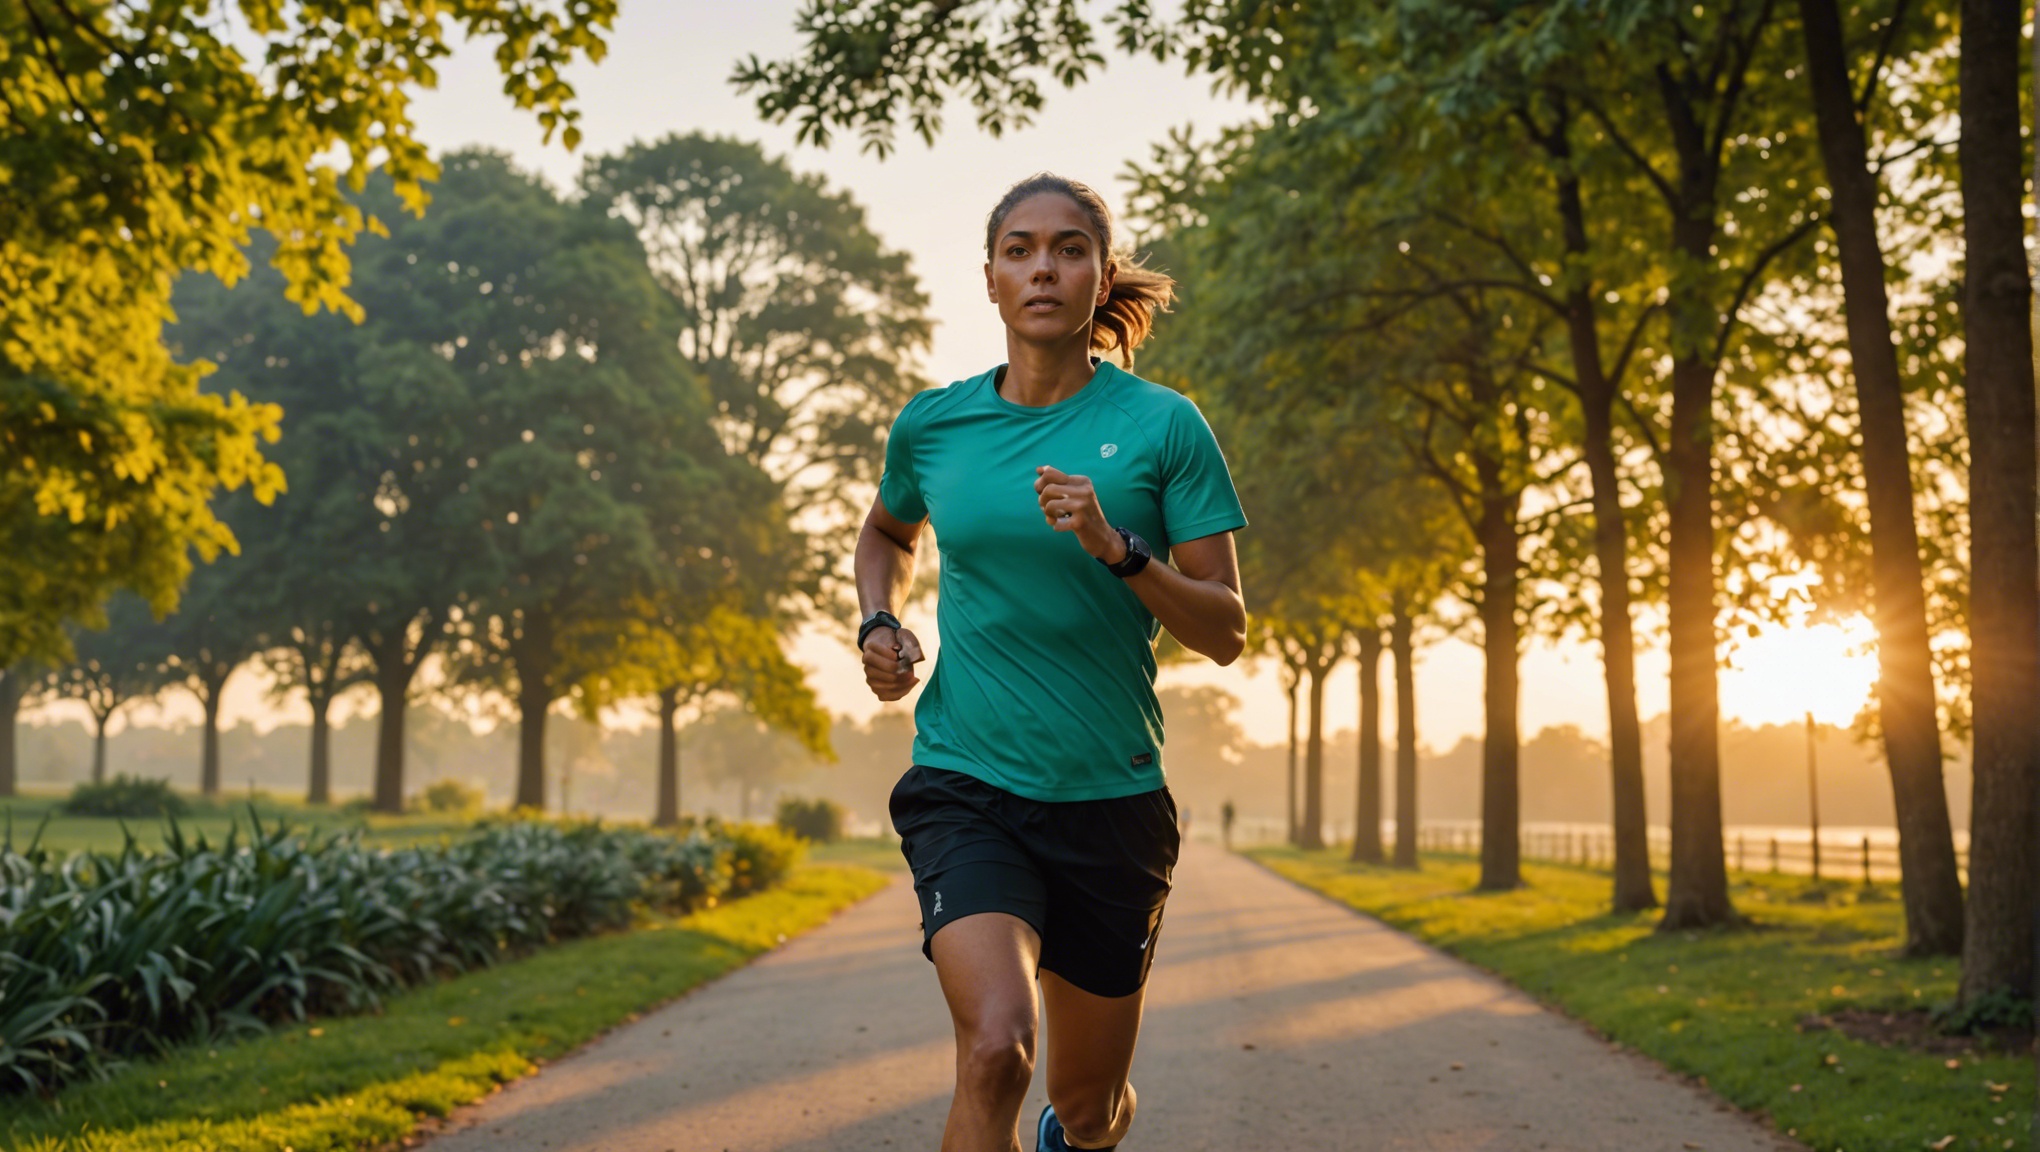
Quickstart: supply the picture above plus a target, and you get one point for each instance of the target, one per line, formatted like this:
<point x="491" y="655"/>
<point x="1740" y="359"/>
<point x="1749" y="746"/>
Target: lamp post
<point x="1812" y="795"/>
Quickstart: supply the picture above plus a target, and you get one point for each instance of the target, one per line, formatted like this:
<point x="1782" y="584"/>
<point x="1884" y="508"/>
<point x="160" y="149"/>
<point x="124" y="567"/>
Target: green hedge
<point x="129" y="796"/>
<point x="106" y="956"/>
<point x="819" y="820"/>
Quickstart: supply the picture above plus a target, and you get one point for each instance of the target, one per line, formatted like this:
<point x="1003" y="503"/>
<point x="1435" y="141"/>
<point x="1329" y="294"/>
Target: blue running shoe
<point x="1048" y="1134"/>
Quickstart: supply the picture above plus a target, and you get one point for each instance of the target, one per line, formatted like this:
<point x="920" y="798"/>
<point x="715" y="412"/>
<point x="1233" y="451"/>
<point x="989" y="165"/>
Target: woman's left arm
<point x="1197" y="598"/>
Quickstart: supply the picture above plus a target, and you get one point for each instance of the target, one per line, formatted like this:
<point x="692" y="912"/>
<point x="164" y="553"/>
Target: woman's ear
<point x="991" y="288"/>
<point x="1105" y="282"/>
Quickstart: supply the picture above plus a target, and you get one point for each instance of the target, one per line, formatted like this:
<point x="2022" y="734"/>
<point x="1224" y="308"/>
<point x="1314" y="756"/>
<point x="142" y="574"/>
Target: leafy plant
<point x="454" y="796"/>
<point x="759" y="855"/>
<point x="2000" y="1008"/>
<point x="125" y="795"/>
<point x="819" y="820"/>
<point x="107" y="956"/>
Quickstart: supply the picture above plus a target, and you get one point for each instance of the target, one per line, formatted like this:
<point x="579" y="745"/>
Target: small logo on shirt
<point x="938" y="904"/>
<point x="1107" y="450"/>
<point x="1143" y="759"/>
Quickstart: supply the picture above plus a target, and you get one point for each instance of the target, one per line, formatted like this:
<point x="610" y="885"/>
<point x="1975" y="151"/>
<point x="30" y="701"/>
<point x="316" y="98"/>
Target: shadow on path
<point x="1277" y="1020"/>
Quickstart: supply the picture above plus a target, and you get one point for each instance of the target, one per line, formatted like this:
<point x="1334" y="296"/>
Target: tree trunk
<point x="393" y="689"/>
<point x="1295" y="680"/>
<point x="1367" y="803"/>
<point x="2033" y="784"/>
<point x="1500" y="803"/>
<point x="1403" y="655"/>
<point x="534" y="696"/>
<point x="2004" y="596"/>
<point x="1634" y="890"/>
<point x="669" y="760"/>
<point x="1310" y="834"/>
<point x="1697" y="114"/>
<point x="320" y="790"/>
<point x="1905" y="690"/>
<point x="99" y="747"/>
<point x="11" y="693"/>
<point x="209" y="758"/>
<point x="1697" y="895"/>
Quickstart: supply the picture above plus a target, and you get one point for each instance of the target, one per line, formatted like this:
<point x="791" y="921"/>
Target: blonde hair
<point x="1127" y="316"/>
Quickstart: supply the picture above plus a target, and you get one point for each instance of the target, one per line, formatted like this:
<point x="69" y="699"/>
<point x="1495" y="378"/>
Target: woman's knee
<point x="1093" y="1114"/>
<point x="998" y="1057"/>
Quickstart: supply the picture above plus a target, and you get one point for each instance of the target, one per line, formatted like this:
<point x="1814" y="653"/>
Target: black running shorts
<point x="1090" y="876"/>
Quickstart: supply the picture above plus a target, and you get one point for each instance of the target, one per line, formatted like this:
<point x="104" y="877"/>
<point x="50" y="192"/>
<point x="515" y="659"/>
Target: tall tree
<point x="1402" y="652"/>
<point x="1292" y="683"/>
<point x="115" y="665"/>
<point x="805" y="327"/>
<point x="1598" y="386"/>
<point x="738" y="654"/>
<point x="306" y="551"/>
<point x="213" y="633"/>
<point x="2033" y="778"/>
<point x="18" y="687"/>
<point x="720" y="638"/>
<point x="1321" y="655"/>
<point x="1672" y="89"/>
<point x="1905" y="691"/>
<point x="1998" y="953"/>
<point x="141" y="141"/>
<point x="598" y="455"/>
<point x="1367" y="793"/>
<point x="322" y="663"/>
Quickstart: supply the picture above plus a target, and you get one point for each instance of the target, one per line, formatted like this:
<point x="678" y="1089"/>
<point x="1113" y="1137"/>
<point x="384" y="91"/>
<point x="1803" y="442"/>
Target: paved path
<point x="1277" y="1020"/>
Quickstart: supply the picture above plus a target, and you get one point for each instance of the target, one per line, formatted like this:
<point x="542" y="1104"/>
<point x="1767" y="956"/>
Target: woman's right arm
<point x="886" y="551"/>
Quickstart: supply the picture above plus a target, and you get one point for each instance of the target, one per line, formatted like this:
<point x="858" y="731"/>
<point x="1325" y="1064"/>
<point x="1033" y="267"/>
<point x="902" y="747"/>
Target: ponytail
<point x="1128" y="314"/>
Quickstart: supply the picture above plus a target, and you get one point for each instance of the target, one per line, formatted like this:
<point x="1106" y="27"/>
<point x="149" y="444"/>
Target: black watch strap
<point x="878" y="619"/>
<point x="1137" y="555"/>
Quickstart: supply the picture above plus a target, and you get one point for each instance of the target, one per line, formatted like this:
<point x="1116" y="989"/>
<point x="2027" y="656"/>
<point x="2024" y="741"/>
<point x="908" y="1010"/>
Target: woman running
<point x="1035" y="819"/>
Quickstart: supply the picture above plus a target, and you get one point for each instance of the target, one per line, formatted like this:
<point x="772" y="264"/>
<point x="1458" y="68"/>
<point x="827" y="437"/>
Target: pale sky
<point x="667" y="71"/>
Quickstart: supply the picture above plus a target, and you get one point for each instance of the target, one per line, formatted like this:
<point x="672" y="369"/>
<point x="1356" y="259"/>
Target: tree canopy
<point x="138" y="143"/>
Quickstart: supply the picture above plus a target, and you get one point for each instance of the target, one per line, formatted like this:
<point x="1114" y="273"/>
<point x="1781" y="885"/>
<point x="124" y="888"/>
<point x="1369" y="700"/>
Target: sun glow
<point x="1782" y="673"/>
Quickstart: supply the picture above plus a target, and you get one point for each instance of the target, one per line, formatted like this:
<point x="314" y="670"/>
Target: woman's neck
<point x="1039" y="375"/>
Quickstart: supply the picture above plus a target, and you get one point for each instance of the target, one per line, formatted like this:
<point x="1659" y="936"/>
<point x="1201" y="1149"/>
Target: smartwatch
<point x="878" y="619"/>
<point x="1137" y="555"/>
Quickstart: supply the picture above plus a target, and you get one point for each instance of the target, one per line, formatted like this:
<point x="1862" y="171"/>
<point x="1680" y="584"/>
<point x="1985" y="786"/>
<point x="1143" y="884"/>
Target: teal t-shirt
<point x="1044" y="685"/>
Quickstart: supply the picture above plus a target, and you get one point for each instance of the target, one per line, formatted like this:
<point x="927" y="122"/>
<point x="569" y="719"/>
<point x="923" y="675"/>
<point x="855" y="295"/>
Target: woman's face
<point x="1047" y="274"/>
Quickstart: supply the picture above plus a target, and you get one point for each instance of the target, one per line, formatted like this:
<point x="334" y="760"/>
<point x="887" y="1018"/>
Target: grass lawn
<point x="880" y="852"/>
<point x="362" y="1082"/>
<point x="213" y="818"/>
<point x="1726" y="1006"/>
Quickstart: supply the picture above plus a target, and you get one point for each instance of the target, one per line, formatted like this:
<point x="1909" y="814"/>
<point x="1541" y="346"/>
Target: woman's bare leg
<point x="1090" y="1051"/>
<point x="986" y="964"/>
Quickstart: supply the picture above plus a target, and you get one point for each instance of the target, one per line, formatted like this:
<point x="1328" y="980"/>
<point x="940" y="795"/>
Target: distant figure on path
<point x="1183" y="823"/>
<point x="1035" y="818"/>
<point x="1225" y="819"/>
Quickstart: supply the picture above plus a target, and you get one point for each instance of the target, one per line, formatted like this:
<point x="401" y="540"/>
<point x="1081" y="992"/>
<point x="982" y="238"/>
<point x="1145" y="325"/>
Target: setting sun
<point x="1781" y="674"/>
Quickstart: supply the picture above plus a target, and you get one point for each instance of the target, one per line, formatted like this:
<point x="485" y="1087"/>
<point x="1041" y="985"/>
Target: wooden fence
<point x="1839" y="857"/>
